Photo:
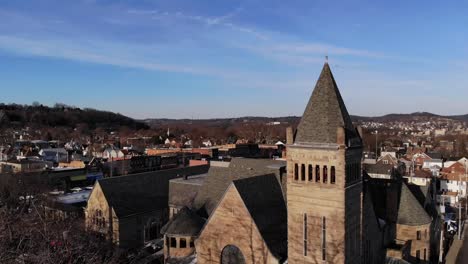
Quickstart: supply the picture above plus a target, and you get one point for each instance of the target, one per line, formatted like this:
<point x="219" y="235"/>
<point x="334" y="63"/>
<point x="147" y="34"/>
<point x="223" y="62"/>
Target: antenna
<point x="326" y="58"/>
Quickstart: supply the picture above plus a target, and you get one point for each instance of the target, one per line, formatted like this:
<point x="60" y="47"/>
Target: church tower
<point x="324" y="185"/>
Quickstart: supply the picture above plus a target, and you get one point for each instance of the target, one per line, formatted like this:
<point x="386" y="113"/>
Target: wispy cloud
<point x="223" y="20"/>
<point x="100" y="53"/>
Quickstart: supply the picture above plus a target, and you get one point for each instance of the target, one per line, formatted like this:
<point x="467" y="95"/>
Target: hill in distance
<point x="417" y="116"/>
<point x="61" y="115"/>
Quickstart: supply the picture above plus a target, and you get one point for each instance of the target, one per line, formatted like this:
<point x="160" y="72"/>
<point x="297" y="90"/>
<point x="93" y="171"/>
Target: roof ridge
<point x="324" y="113"/>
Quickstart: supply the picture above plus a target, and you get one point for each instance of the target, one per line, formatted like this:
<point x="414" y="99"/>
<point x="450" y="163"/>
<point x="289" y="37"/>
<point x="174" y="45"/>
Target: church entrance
<point x="232" y="255"/>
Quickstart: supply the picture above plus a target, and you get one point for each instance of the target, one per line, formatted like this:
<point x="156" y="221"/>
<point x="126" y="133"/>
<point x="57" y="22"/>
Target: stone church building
<point x="318" y="207"/>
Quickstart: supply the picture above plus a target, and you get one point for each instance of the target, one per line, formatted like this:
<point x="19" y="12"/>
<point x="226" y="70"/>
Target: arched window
<point x="325" y="174"/>
<point x="232" y="255"/>
<point x="311" y="169"/>
<point x="332" y="175"/>
<point x="152" y="229"/>
<point x="99" y="219"/>
<point x="317" y="173"/>
<point x="296" y="172"/>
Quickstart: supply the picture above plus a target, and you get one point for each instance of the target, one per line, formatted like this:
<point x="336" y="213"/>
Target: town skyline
<point x="158" y="60"/>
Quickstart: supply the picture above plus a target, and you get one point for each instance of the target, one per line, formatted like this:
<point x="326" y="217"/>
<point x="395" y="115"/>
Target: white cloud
<point x="101" y="53"/>
<point x="205" y="20"/>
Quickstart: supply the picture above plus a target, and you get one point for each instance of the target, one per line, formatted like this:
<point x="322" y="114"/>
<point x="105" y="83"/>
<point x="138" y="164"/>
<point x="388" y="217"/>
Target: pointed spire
<point x="325" y="113"/>
<point x="410" y="211"/>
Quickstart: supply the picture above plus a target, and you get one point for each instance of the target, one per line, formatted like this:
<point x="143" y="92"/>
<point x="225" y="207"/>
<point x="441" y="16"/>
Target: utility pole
<point x="459" y="207"/>
<point x="376" y="143"/>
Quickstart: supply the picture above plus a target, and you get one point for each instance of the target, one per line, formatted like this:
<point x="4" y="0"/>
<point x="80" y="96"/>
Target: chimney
<point x="340" y="136"/>
<point x="289" y="136"/>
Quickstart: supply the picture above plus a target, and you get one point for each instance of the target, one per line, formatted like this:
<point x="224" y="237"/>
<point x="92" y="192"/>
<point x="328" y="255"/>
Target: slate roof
<point x="219" y="179"/>
<point x="263" y="197"/>
<point x="379" y="168"/>
<point x="324" y="113"/>
<point x="184" y="223"/>
<point x="421" y="193"/>
<point x="142" y="192"/>
<point x="182" y="192"/>
<point x="394" y="202"/>
<point x="410" y="211"/>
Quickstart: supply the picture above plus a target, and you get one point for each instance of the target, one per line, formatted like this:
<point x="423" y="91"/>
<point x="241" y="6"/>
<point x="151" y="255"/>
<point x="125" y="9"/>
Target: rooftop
<point x="325" y="113"/>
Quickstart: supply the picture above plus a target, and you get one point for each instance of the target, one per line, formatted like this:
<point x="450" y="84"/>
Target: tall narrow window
<point x="317" y="173"/>
<point x="324" y="239"/>
<point x="305" y="234"/>
<point x="425" y="233"/>
<point x="424" y="255"/>
<point x="418" y="255"/>
<point x="303" y="172"/>
<point x="183" y="243"/>
<point x="310" y="172"/>
<point x="296" y="172"/>
<point x="332" y="175"/>
<point x="418" y="235"/>
<point x="325" y="174"/>
<point x="173" y="242"/>
<point x="192" y="243"/>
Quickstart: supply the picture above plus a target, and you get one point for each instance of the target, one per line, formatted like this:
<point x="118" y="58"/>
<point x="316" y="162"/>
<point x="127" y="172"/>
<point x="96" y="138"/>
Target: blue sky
<point x="204" y="59"/>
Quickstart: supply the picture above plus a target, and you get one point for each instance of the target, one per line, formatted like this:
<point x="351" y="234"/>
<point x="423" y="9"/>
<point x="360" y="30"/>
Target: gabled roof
<point x="379" y="168"/>
<point x="142" y="192"/>
<point x="324" y="113"/>
<point x="182" y="191"/>
<point x="263" y="198"/>
<point x="410" y="211"/>
<point x="219" y="179"/>
<point x="184" y="223"/>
